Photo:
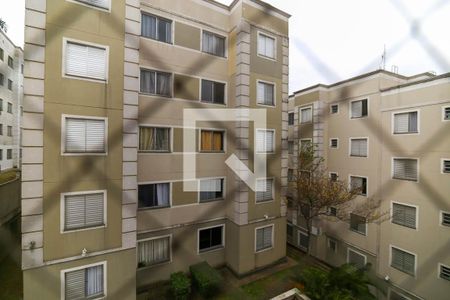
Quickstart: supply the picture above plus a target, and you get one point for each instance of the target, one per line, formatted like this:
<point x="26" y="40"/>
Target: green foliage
<point x="206" y="279"/>
<point x="343" y="283"/>
<point x="180" y="286"/>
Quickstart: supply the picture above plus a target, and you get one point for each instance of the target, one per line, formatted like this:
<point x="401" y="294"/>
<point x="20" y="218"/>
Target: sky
<point x="334" y="40"/>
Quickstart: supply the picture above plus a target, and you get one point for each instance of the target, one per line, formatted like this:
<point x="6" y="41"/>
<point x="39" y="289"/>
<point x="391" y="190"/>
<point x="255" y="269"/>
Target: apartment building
<point x="387" y="134"/>
<point x="11" y="90"/>
<point x="104" y="208"/>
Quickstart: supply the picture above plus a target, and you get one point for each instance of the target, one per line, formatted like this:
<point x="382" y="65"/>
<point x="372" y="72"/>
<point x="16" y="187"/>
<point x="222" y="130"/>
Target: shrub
<point x="180" y="285"/>
<point x="206" y="279"/>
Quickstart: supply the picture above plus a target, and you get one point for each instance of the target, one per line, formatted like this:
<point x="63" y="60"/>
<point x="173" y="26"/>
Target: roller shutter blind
<point x="357" y="259"/>
<point x="404" y="215"/>
<point x="264" y="141"/>
<point x="359" y="109"/>
<point x="97" y="3"/>
<point x="444" y="272"/>
<point x="86" y="283"/>
<point x="83" y="211"/>
<point x="358" y="147"/>
<point x="446" y="166"/>
<point x="405" y="122"/>
<point x="405" y="169"/>
<point x="446" y="219"/>
<point x="263" y="238"/>
<point x="86" y="61"/>
<point x="85" y="136"/>
<point x="264" y="190"/>
<point x="403" y="261"/>
<point x="447" y="113"/>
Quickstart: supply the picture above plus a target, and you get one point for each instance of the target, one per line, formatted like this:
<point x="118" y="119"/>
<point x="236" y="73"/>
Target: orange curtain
<point x="206" y="142"/>
<point x="218" y="146"/>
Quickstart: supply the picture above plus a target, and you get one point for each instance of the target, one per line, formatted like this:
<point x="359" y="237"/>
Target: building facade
<point x="11" y="90"/>
<point x="385" y="133"/>
<point x="104" y="208"/>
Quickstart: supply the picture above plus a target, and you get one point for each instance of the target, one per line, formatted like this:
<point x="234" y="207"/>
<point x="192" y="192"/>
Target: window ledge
<point x="154" y="265"/>
<point x="153" y="208"/>
<point x="264" y="249"/>
<point x="212" y="249"/>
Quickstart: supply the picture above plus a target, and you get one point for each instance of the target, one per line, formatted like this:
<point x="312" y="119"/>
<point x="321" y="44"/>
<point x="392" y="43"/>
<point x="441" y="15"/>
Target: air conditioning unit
<point x="316" y="231"/>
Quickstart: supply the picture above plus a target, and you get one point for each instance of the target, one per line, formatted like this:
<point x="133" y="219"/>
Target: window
<point x="1" y="154"/>
<point x="10" y="83"/>
<point x="85" y="135"/>
<point x="10" y="107"/>
<point x="264" y="190"/>
<point x="332" y="245"/>
<point x="334" y="109"/>
<point x="9" y="154"/>
<point x="85" y="283"/>
<point x="444" y="272"/>
<point x="264" y="238"/>
<point x="265" y="142"/>
<point x="156" y="28"/>
<point x="333" y="176"/>
<point x="97" y="3"/>
<point x="447" y="113"/>
<point x="291" y="176"/>
<point x="305" y="115"/>
<point x="445" y="218"/>
<point x="290" y="147"/>
<point x="2" y="57"/>
<point x="210" y="238"/>
<point x="291" y="118"/>
<point x="393" y="295"/>
<point x="359" y="183"/>
<point x="86" y="61"/>
<point x="211" y="189"/>
<point x="153" y="251"/>
<point x="82" y="211"/>
<point x="356" y="258"/>
<point x="406" y="122"/>
<point x="359" y="109"/>
<point x="403" y="261"/>
<point x="334" y="143"/>
<point x="213" y="44"/>
<point x="332" y="211"/>
<point x="305" y="144"/>
<point x="358" y="147"/>
<point x="358" y="224"/>
<point x="10" y="62"/>
<point x="9" y="131"/>
<point x="405" y="169"/>
<point x="154" y="139"/>
<point x="212" y="141"/>
<point x="2" y="79"/>
<point x="404" y="215"/>
<point x="290" y="231"/>
<point x="303" y="241"/>
<point x="266" y="93"/>
<point x="446" y="166"/>
<point x="213" y="92"/>
<point x="266" y="46"/>
<point x="1" y="129"/>
<point x="156" y="83"/>
<point x="156" y="195"/>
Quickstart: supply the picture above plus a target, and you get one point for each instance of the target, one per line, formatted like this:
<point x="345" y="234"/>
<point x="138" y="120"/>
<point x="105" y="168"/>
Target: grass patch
<point x="8" y="176"/>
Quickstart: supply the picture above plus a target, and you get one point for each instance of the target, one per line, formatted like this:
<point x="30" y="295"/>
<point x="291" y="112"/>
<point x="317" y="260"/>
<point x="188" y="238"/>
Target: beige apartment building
<point x="11" y="90"/>
<point x="104" y="208"/>
<point x="387" y="134"/>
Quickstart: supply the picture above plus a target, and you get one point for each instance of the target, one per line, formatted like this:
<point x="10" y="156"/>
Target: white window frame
<point x="293" y="121"/>
<point x="443" y="113"/>
<point x="274" y="140"/>
<point x="151" y="14"/>
<point x="350" y="146"/>
<point x="441" y="218"/>
<point x="390" y="260"/>
<point x="89" y="44"/>
<point x="300" y="232"/>
<point x="63" y="210"/>
<point x="275" y="45"/>
<point x="225" y="96"/>
<point x="367" y="184"/>
<point x="224" y="142"/>
<point x="350" y="109"/>
<point x="331" y="109"/>
<point x="152" y="69"/>
<point x="405" y="112"/>
<point x="272" y="238"/>
<point x="63" y="135"/>
<point x="105" y="277"/>
<point x="443" y="160"/>
<point x="329" y="240"/>
<point x="150" y="239"/>
<point x="404" y="204"/>
<point x="300" y="114"/>
<point x="104" y="9"/>
<point x="213" y="200"/>
<point x="171" y="130"/>
<point x="273" y="190"/>
<point x="274" y="93"/>
<point x="156" y="182"/>
<point x="223" y="35"/>
<point x="337" y="147"/>
<point x="210" y="249"/>
<point x="357" y="252"/>
<point x="439" y="270"/>
<point x="412" y="158"/>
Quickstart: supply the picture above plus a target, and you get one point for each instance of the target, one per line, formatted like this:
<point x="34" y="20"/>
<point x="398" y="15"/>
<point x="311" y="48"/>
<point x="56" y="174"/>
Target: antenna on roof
<point x="383" y="59"/>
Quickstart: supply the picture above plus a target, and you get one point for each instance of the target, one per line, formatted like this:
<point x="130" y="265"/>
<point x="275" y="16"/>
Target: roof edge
<point x="445" y="75"/>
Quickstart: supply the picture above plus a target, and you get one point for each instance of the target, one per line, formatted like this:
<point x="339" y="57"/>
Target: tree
<point x="316" y="194"/>
<point x="3" y="25"/>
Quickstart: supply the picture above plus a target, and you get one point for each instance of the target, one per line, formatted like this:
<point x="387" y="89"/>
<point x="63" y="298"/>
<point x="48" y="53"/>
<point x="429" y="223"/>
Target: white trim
<point x="213" y="248"/>
<point x="337" y="146"/>
<point x="359" y="176"/>
<point x="105" y="275"/>
<point x="258" y="81"/>
<point x="442" y="165"/>
<point x="439" y="270"/>
<point x="273" y="142"/>
<point x="331" y="110"/>
<point x="225" y="95"/>
<point x="275" y="46"/>
<point x="350" y="146"/>
<point x="411" y="158"/>
<point x="212" y="200"/>
<point x="443" y="113"/>
<point x="156" y="182"/>
<point x="103" y="9"/>
<point x="150" y="239"/>
<point x="300" y="114"/>
<point x="155" y="151"/>
<point x="63" y="135"/>
<point x="356" y="100"/>
<point x="390" y="260"/>
<point x="357" y="252"/>
<point x="405" y="112"/>
<point x="62" y="210"/>
<point x="404" y="204"/>
<point x="441" y="218"/>
<point x="272" y="241"/>
<point x="67" y="40"/>
<point x="273" y="190"/>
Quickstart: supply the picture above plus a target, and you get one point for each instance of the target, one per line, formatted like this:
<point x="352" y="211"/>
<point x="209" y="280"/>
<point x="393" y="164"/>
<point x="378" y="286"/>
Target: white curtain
<point x="163" y="194"/>
<point x="94" y="281"/>
<point x="154" y="251"/>
<point x="163" y="84"/>
<point x="306" y="115"/>
<point x="148" y="26"/>
<point x="148" y="82"/>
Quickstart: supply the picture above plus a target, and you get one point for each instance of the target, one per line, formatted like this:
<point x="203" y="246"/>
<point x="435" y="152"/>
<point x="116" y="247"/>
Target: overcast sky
<point x="334" y="40"/>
